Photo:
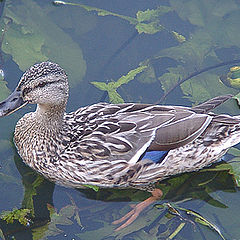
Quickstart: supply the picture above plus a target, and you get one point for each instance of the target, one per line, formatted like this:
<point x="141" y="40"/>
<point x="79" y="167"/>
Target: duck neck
<point x="50" y="116"/>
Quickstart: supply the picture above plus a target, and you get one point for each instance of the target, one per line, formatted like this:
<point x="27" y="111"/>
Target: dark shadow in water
<point x="195" y="185"/>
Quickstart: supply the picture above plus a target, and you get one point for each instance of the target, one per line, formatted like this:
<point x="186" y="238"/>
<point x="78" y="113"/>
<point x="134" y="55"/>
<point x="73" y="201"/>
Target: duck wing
<point x="124" y="132"/>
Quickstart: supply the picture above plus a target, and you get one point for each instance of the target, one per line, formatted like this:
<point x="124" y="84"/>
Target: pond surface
<point x="173" y="39"/>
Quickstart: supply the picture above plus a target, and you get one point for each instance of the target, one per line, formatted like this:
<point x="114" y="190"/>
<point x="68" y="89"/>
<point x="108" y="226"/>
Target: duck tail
<point x="211" y="104"/>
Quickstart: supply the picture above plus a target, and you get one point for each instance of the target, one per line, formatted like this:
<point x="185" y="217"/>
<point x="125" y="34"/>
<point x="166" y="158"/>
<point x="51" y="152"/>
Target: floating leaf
<point x="153" y="14"/>
<point x="20" y="215"/>
<point x="111" y="87"/>
<point x="149" y="28"/>
<point x="200" y="219"/>
<point x="95" y="188"/>
<point x="191" y="56"/>
<point x="197" y="218"/>
<point x="100" y="12"/>
<point x="145" y="21"/>
<point x="180" y="38"/>
<point x="178" y="229"/>
<point x="148" y="21"/>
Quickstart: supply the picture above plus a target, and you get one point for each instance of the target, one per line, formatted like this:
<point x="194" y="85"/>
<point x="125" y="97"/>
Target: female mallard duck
<point x="113" y="145"/>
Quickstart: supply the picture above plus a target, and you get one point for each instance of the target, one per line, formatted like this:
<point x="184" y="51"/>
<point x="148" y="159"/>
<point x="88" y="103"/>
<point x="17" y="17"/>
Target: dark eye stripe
<point x="26" y="91"/>
<point x="40" y="85"/>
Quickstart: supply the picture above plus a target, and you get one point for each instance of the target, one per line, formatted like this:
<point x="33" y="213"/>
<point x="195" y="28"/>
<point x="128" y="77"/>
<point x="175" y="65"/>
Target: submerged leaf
<point x="234" y="151"/>
<point x="197" y="218"/>
<point x="145" y="21"/>
<point x="8" y="179"/>
<point x="61" y="218"/>
<point x="200" y="219"/>
<point x="29" y="42"/>
<point x="30" y="192"/>
<point x="16" y="214"/>
<point x="15" y="40"/>
<point x="4" y="91"/>
<point x="149" y="28"/>
<point x="192" y="56"/>
<point x="232" y="166"/>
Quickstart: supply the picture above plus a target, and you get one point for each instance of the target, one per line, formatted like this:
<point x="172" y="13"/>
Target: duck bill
<point x="12" y="103"/>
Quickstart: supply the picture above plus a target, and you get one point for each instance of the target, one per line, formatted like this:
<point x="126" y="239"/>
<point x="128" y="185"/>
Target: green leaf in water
<point x="145" y="22"/>
<point x="29" y="42"/>
<point x="197" y="218"/>
<point x="21" y="215"/>
<point x="191" y="56"/>
<point x="4" y="91"/>
<point x="111" y="87"/>
<point x="212" y="31"/>
<point x="61" y="218"/>
<point x="95" y="188"/>
<point x="100" y="12"/>
<point x="200" y="219"/>
<point x="178" y="229"/>
<point x="180" y="38"/>
<point x="30" y="192"/>
<point x="15" y="40"/>
<point x="8" y="179"/>
<point x="232" y="166"/>
<point x="149" y="28"/>
<point x="234" y="151"/>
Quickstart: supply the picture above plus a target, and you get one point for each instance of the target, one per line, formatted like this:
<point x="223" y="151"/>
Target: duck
<point x="130" y="145"/>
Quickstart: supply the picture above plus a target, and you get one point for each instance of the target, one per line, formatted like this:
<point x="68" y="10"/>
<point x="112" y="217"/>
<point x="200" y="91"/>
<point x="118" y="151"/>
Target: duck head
<point x="45" y="84"/>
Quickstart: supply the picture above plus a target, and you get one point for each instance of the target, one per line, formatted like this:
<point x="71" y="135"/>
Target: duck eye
<point x="42" y="84"/>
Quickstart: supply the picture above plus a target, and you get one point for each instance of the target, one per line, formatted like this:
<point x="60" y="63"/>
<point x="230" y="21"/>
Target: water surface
<point x="96" y="48"/>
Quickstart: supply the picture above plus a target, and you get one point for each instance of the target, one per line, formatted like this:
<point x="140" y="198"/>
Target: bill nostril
<point x="14" y="99"/>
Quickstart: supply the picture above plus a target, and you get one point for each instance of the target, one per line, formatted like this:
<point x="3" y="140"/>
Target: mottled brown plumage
<point x="103" y="144"/>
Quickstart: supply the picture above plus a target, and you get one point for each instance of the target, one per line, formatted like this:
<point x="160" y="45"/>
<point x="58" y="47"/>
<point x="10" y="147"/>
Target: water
<point x="98" y="44"/>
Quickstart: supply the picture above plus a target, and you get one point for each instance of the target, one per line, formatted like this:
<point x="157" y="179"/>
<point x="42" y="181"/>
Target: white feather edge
<point x="136" y="157"/>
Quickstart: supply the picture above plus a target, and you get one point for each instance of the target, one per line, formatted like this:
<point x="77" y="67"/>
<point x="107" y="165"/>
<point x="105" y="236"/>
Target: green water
<point x="103" y="49"/>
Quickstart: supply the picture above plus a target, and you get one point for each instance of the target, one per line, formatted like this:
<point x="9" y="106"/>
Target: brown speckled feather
<point x="103" y="144"/>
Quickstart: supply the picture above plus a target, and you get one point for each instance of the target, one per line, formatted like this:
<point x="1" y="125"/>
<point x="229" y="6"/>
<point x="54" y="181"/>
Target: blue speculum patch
<point x="155" y="156"/>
